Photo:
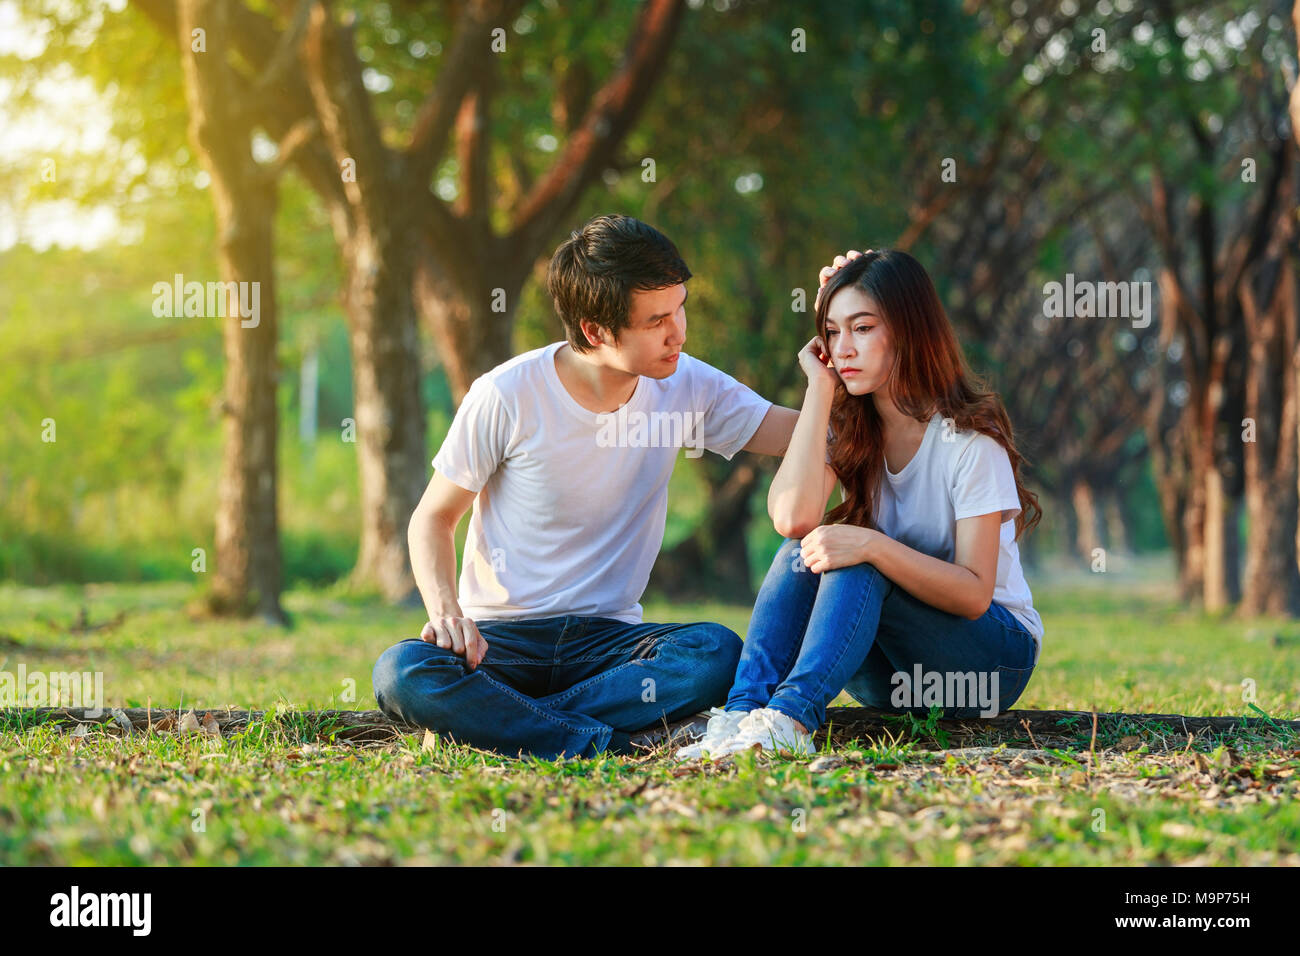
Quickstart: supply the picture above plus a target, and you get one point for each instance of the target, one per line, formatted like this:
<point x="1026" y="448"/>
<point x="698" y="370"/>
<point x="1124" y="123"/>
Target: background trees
<point x="395" y="177"/>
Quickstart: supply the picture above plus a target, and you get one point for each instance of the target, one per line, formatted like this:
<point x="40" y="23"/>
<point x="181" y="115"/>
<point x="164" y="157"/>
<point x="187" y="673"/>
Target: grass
<point x="280" y="791"/>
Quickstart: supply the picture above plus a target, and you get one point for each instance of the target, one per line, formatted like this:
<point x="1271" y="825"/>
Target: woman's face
<point x="858" y="341"/>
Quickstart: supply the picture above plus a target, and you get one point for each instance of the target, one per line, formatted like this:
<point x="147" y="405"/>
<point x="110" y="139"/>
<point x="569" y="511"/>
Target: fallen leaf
<point x="190" y="724"/>
<point x="925" y="813"/>
<point x="123" y="721"/>
<point x="209" y="725"/>
<point x="824" y="763"/>
<point x="1183" y="831"/>
<point x="1131" y="742"/>
<point x="81" y="732"/>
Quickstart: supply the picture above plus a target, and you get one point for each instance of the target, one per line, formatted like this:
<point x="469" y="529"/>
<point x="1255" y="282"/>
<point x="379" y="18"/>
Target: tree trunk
<point x="1272" y="583"/>
<point x="1215" y="524"/>
<point x="1065" y="729"/>
<point x="1167" y="438"/>
<point x="391" y="446"/>
<point x="379" y="259"/>
<point x="1118" y="531"/>
<point x="470" y="318"/>
<point x="1084" y="503"/>
<point x="1199" y="461"/>
<point x="246" y="577"/>
<point x="1226" y="483"/>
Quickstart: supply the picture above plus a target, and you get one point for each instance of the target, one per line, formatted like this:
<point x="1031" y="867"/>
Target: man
<point x="565" y="453"/>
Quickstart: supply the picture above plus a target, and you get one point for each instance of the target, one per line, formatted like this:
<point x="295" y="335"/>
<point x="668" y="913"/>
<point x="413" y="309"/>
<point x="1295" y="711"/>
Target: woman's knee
<point x="787" y="566"/>
<point x="860" y="577"/>
<point x="863" y="570"/>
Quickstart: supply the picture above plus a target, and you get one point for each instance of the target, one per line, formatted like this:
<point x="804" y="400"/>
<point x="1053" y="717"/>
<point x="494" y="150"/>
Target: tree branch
<point x="612" y="112"/>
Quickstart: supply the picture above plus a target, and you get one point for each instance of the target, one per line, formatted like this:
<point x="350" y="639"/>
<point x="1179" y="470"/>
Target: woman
<point x="910" y="592"/>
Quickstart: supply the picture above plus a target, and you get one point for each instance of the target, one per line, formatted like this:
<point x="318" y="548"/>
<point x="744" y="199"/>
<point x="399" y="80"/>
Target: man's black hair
<point x="594" y="272"/>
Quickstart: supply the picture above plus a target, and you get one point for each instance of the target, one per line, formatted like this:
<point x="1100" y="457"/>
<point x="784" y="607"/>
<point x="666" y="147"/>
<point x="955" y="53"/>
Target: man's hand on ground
<point x="460" y="636"/>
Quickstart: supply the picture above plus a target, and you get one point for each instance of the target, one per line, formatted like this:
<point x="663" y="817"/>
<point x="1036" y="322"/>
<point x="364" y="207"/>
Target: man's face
<point x="655" y="334"/>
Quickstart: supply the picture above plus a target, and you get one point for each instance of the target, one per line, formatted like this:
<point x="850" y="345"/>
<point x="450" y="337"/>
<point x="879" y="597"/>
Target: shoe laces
<point x="762" y="722"/>
<point x="719" y="722"/>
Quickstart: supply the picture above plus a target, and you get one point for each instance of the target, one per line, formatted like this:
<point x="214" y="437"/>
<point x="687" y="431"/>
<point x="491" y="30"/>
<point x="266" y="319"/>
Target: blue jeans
<point x="813" y="635"/>
<point x="559" y="685"/>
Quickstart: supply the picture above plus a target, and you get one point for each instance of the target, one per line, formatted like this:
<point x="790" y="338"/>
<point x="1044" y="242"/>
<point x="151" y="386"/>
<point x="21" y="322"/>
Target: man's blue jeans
<point x="852" y="629"/>
<point x="559" y="685"/>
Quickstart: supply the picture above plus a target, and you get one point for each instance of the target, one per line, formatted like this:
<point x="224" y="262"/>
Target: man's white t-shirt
<point x="570" y="507"/>
<point x="956" y="475"/>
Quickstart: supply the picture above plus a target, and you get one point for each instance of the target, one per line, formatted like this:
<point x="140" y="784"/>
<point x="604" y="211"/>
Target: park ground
<point x="282" y="791"/>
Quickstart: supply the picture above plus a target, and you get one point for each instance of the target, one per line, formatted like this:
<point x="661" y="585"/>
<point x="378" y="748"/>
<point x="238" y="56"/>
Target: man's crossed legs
<point x="559" y="685"/>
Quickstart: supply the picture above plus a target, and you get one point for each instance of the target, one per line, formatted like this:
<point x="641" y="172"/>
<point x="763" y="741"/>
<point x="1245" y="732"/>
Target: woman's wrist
<point x="820" y="391"/>
<point x="867" y="549"/>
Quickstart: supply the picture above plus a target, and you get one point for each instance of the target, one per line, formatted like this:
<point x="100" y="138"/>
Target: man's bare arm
<point x="431" y="536"/>
<point x="773" y="434"/>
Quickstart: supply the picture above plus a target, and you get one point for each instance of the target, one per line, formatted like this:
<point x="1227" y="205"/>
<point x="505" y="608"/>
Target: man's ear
<point x="595" y="334"/>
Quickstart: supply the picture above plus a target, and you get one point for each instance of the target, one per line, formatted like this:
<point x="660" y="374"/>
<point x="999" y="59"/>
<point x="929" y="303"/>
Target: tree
<point x="247" y="573"/>
<point x="402" y="245"/>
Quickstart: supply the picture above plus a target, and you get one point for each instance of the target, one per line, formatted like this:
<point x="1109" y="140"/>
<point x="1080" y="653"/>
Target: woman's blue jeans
<point x="813" y="635"/>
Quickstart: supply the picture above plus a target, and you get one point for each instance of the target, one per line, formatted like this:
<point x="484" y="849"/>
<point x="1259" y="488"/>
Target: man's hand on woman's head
<point x="827" y="271"/>
<point x="459" y="635"/>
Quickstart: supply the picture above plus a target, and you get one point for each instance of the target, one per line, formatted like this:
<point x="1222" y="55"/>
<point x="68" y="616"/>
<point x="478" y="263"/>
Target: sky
<point x="72" y="120"/>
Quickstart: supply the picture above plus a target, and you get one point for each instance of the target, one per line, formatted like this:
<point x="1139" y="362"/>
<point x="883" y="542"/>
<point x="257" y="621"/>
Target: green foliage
<point x="845" y="139"/>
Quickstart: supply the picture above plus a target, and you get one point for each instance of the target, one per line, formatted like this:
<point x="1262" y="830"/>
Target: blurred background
<point x="395" y="175"/>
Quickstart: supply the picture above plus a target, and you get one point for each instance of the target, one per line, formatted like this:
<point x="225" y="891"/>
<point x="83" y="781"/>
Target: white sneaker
<point x="771" y="730"/>
<point x="722" y="725"/>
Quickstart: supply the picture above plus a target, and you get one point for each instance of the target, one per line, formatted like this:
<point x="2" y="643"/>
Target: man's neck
<point x="596" y="388"/>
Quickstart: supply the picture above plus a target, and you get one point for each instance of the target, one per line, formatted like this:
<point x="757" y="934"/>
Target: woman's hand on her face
<point x="815" y="362"/>
<point x="832" y="546"/>
<point x="827" y="271"/>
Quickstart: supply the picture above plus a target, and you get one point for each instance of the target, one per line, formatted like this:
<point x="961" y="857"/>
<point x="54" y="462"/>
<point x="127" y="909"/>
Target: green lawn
<point x="276" y="794"/>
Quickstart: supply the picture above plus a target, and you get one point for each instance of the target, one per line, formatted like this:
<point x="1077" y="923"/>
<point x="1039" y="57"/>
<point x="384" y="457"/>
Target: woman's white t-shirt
<point x="956" y="475"/>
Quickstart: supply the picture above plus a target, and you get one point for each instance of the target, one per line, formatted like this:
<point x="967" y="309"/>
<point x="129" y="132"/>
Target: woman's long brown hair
<point x="929" y="374"/>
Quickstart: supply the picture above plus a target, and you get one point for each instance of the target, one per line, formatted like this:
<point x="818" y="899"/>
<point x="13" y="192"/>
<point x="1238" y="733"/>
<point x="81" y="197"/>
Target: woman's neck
<point x="894" y="421"/>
